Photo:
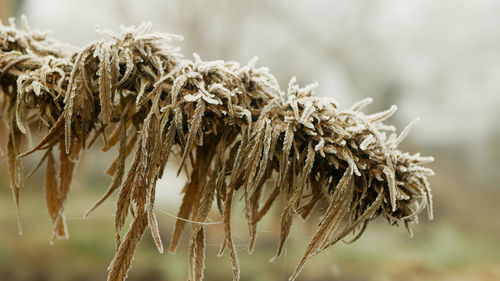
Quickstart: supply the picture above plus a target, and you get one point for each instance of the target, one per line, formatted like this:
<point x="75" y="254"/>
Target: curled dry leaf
<point x="237" y="134"/>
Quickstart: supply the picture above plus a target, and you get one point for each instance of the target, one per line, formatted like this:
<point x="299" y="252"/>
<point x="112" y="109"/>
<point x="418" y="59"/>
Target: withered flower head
<point x="235" y="130"/>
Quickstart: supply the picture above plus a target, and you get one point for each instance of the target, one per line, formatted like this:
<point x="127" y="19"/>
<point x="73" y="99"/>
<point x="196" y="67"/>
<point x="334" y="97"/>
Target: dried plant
<point x="234" y="130"/>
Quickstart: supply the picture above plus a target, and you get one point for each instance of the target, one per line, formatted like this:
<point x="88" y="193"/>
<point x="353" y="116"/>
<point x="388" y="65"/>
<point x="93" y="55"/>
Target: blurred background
<point x="438" y="60"/>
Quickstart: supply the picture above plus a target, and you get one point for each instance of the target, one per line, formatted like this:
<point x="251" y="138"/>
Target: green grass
<point x="440" y="248"/>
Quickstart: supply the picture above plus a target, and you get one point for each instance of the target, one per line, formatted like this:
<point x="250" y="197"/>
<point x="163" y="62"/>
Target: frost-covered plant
<point x="234" y="130"/>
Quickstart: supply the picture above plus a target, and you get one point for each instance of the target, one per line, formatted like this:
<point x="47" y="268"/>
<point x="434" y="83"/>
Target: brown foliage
<point x="234" y="127"/>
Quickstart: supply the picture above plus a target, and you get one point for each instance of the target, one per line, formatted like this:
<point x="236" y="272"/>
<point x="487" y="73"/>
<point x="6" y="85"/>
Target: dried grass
<point x="235" y="130"/>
